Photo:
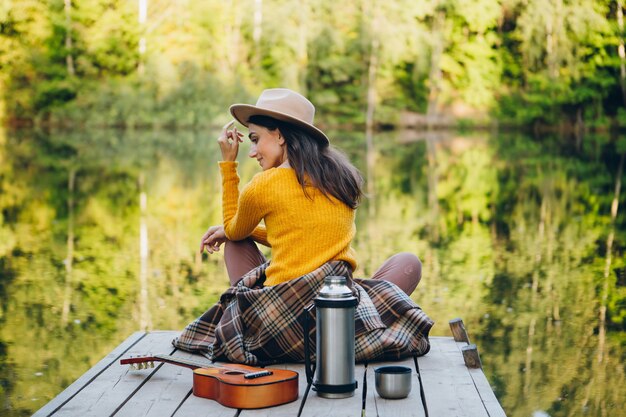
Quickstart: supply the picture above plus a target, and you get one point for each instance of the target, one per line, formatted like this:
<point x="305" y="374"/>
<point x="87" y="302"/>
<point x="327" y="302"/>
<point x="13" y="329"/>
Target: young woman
<point x="306" y="196"/>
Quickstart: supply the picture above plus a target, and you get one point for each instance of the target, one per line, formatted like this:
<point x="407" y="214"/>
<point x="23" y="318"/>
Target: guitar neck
<point x="189" y="363"/>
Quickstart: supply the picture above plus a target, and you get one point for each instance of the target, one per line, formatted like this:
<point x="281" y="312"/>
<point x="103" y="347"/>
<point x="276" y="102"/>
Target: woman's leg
<point x="403" y="269"/>
<point x="241" y="257"/>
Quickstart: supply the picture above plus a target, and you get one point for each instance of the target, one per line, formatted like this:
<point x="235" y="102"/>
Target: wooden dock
<point x="442" y="386"/>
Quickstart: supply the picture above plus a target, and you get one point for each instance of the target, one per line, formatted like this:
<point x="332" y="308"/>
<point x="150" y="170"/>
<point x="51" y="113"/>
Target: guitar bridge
<point x="259" y="374"/>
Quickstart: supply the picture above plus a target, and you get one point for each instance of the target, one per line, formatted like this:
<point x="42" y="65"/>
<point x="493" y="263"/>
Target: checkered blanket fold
<point x="258" y="325"/>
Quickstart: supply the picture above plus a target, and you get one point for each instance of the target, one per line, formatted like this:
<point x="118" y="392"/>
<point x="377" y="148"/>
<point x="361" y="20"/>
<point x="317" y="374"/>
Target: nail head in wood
<point x="458" y="330"/>
<point x="471" y="357"/>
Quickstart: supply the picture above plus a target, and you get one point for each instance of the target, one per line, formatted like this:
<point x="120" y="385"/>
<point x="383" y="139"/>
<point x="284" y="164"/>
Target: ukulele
<point x="232" y="385"/>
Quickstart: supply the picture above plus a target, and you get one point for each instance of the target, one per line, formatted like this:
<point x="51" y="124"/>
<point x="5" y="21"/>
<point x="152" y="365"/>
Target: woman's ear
<point x="281" y="138"/>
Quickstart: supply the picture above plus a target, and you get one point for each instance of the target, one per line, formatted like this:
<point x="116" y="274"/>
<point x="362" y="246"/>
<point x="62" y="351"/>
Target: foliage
<point x="511" y="231"/>
<point x="562" y="57"/>
<point x="524" y="62"/>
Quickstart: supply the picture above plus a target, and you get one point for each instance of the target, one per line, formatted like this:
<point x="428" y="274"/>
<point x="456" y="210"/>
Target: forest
<point x="490" y="134"/>
<point x="557" y="64"/>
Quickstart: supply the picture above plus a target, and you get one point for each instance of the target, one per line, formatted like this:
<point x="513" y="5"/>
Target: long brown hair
<point x="327" y="168"/>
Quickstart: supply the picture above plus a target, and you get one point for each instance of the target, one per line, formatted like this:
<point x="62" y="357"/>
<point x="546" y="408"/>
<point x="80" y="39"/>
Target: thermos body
<point x="335" y="352"/>
<point x="335" y="307"/>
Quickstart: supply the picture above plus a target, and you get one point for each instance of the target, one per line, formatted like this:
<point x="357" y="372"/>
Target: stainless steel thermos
<point x="334" y="368"/>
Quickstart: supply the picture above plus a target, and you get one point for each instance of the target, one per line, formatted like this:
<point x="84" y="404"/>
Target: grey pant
<point x="403" y="269"/>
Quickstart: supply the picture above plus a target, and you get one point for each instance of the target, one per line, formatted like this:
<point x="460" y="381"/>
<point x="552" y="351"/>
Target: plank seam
<point x="422" y="393"/>
<point x="376" y="404"/>
<point x="182" y="402"/>
<point x="482" y="400"/>
<point x="95" y="376"/>
<point x="132" y="394"/>
<point x="480" y="395"/>
<point x="364" y="396"/>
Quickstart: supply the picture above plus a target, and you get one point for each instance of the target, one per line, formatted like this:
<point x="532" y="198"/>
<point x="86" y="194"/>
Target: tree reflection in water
<point x="513" y="233"/>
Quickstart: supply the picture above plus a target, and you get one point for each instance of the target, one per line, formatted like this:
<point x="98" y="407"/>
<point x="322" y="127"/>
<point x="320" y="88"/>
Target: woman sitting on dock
<point x="306" y="196"/>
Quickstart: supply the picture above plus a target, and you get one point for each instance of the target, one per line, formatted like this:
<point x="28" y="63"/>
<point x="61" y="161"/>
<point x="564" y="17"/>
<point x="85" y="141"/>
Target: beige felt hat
<point x="282" y="104"/>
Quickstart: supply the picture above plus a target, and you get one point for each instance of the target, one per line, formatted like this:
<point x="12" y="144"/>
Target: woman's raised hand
<point x="213" y="239"/>
<point x="229" y="141"/>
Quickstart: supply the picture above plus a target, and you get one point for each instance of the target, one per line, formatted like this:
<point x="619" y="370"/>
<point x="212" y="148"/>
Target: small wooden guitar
<point x="232" y="385"/>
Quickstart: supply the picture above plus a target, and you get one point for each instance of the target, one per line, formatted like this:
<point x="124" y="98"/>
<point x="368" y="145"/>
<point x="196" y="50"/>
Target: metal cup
<point x="393" y="382"/>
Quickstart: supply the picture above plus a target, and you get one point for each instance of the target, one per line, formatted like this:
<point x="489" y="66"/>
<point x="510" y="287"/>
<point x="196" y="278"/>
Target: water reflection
<point x="99" y="234"/>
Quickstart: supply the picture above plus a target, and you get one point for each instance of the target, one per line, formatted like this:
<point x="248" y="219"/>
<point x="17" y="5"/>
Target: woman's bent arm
<point x="241" y="214"/>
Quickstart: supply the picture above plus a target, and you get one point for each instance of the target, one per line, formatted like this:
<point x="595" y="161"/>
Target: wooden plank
<point x="203" y="407"/>
<point x="494" y="409"/>
<point x="168" y="388"/>
<point x="375" y="405"/>
<point x="112" y="388"/>
<point x="448" y="385"/>
<point x="406" y="407"/>
<point x="189" y="405"/>
<point x="319" y="406"/>
<point x="78" y="385"/>
<point x="315" y="405"/>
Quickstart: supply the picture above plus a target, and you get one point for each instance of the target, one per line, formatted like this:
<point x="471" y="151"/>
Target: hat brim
<point x="242" y="112"/>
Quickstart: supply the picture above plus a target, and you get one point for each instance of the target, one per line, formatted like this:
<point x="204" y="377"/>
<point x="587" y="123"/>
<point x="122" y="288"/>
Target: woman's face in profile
<point x="266" y="146"/>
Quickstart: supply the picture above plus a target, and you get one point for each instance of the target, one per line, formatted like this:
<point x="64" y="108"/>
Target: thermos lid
<point x="335" y="287"/>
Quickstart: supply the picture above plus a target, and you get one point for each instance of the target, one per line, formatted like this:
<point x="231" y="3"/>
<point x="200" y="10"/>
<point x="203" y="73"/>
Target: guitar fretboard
<point x="183" y="361"/>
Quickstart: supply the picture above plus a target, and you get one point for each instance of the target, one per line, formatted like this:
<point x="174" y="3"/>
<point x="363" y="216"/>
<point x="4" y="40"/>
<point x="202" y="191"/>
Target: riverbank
<point x="404" y="120"/>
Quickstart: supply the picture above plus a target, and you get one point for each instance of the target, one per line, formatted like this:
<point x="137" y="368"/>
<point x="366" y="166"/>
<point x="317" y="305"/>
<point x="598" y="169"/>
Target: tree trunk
<point x="552" y="276"/>
<point x="621" y="51"/>
<point x="233" y="51"/>
<point x="372" y="75"/>
<point x="143" y="18"/>
<point x="69" y="59"/>
<point x="145" y="321"/>
<point x="69" y="260"/>
<point x="433" y="179"/>
<point x="607" y="264"/>
<point x="539" y="248"/>
<point x="435" y="75"/>
<point x="257" y="32"/>
<point x="493" y="228"/>
<point x="369" y="114"/>
<point x="303" y="52"/>
<point x="550" y="46"/>
<point x="529" y="357"/>
<point x="579" y="128"/>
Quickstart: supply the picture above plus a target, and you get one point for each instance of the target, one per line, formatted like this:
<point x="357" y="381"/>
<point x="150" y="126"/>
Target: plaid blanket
<point x="258" y="325"/>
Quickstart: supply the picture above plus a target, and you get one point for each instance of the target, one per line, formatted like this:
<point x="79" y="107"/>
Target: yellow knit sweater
<point x="304" y="233"/>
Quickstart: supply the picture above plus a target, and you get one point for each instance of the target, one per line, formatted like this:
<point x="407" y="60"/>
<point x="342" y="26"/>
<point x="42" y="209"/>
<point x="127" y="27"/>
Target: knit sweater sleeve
<point x="241" y="213"/>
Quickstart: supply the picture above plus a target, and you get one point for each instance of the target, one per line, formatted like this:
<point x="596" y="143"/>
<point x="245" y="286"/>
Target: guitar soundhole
<point x="233" y="373"/>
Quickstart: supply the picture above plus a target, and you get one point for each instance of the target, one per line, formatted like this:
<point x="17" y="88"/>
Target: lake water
<point x="99" y="232"/>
